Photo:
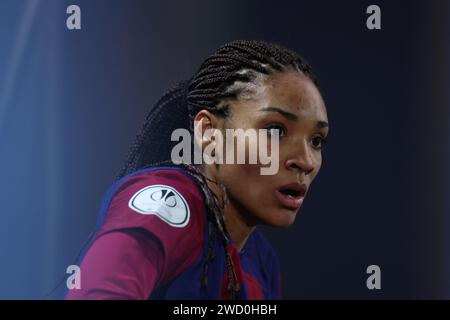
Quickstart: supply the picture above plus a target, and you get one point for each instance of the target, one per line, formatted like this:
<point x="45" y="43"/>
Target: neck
<point x="238" y="224"/>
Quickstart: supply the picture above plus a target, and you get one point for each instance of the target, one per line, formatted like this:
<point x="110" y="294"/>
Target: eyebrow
<point x="284" y="113"/>
<point x="322" y="124"/>
<point x="291" y="116"/>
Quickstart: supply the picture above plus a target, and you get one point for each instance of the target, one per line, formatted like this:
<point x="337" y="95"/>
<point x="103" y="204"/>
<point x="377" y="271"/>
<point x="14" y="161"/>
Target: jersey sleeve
<point x="119" y="265"/>
<point x="165" y="206"/>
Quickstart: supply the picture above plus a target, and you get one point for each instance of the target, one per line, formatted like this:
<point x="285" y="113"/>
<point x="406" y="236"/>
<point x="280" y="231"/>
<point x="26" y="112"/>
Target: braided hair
<point x="225" y="75"/>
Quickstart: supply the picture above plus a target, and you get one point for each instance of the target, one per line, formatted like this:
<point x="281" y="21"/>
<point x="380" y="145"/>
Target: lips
<point x="291" y="195"/>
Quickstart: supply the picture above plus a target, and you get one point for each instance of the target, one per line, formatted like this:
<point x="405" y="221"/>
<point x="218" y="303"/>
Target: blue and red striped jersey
<point x="151" y="241"/>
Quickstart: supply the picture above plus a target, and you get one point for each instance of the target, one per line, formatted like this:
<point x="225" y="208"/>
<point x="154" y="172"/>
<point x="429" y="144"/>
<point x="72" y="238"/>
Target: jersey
<point x="151" y="242"/>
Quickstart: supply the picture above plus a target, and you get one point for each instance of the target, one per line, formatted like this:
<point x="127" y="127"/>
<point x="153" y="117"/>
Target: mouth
<point x="291" y="195"/>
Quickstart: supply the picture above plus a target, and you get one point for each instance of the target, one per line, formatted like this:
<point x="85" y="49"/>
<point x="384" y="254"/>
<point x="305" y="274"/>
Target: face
<point x="288" y="104"/>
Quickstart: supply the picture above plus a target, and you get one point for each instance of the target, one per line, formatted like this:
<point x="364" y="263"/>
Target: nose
<point x="302" y="161"/>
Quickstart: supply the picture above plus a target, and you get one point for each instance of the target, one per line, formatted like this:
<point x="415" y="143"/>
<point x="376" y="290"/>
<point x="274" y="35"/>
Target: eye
<point x="276" y="130"/>
<point x="318" y="142"/>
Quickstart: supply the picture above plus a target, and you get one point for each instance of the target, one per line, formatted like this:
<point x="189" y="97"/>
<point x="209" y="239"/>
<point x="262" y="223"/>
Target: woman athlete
<point x="189" y="231"/>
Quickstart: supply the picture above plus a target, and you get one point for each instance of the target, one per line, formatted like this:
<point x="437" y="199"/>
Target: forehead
<point x="295" y="91"/>
<point x="289" y="90"/>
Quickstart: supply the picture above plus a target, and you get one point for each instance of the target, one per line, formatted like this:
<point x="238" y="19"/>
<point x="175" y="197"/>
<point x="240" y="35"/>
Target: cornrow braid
<point x="213" y="205"/>
<point x="222" y="77"/>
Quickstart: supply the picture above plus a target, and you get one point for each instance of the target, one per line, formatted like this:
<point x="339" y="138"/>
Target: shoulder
<point x="166" y="195"/>
<point x="166" y="204"/>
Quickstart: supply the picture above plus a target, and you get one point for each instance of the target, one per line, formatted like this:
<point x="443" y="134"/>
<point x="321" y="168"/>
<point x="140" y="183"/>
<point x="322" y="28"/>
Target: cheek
<point x="245" y="183"/>
<point x="317" y="166"/>
<point x="239" y="176"/>
<point x="242" y="147"/>
<point x="254" y="195"/>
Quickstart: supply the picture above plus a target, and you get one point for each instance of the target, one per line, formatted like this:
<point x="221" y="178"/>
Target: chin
<point x="284" y="218"/>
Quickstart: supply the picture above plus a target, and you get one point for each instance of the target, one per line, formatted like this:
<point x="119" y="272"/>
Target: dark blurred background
<point x="71" y="102"/>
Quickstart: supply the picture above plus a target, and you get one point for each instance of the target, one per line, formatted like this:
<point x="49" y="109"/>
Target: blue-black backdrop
<point x="71" y="101"/>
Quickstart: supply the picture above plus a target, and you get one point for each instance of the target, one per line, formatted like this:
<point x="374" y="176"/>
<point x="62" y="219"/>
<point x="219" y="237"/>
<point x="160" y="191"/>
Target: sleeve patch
<point x="163" y="201"/>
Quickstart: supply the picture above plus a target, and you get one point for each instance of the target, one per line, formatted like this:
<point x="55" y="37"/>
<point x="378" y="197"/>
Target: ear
<point x="204" y="120"/>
